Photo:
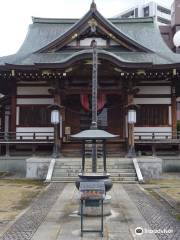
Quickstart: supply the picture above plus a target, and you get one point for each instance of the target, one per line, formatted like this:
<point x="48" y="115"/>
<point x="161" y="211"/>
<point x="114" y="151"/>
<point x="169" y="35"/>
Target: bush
<point x="178" y="126"/>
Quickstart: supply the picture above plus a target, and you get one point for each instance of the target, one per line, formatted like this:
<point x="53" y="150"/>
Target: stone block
<point x="151" y="167"/>
<point x="37" y="168"/>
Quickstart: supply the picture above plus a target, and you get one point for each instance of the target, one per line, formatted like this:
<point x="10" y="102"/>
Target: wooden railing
<point x="31" y="139"/>
<point x="157" y="136"/>
<point x="22" y="137"/>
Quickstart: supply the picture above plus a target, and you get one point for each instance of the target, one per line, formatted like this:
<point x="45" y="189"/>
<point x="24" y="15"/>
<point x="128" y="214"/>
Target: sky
<point x="16" y="15"/>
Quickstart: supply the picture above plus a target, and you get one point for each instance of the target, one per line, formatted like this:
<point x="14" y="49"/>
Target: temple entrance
<point x="111" y="115"/>
<point x="75" y="93"/>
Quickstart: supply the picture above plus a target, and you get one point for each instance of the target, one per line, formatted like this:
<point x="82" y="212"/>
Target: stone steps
<point x="113" y="171"/>
<point x="121" y="170"/>
<point x="114" y="179"/>
<point x="73" y="181"/>
<point x="74" y="174"/>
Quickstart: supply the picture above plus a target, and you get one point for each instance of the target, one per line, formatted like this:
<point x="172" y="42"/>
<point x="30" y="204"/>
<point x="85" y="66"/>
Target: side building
<point x="161" y="13"/>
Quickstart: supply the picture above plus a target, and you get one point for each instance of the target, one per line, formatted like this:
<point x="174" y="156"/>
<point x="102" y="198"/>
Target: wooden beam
<point x="13" y="106"/>
<point x="58" y="101"/>
<point x="174" y="111"/>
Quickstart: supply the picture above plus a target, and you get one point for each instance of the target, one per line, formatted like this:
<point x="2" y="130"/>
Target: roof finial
<point x="93" y="6"/>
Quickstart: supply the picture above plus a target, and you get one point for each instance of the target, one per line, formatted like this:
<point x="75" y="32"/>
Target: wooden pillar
<point x="104" y="156"/>
<point x="57" y="100"/>
<point x="124" y="115"/>
<point x="83" y="155"/>
<point x="130" y="99"/>
<point x="174" y="112"/>
<point x="13" y="106"/>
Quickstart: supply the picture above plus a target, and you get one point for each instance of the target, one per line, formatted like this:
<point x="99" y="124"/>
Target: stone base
<point x="151" y="167"/>
<point x="96" y="211"/>
<point x="37" y="167"/>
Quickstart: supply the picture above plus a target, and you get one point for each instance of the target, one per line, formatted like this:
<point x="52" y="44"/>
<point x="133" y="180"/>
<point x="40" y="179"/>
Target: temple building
<point x="54" y="65"/>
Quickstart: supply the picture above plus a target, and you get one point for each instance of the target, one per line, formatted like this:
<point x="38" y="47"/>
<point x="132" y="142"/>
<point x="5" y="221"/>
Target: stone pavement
<point x="53" y="216"/>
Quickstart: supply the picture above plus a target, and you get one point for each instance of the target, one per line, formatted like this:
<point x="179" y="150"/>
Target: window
<point x="163" y="20"/>
<point x="153" y="115"/>
<point x="34" y="116"/>
<point x="136" y="12"/>
<point x="164" y="10"/>
<point x="146" y="11"/>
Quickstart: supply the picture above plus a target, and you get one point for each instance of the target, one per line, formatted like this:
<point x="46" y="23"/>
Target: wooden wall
<point x="36" y="95"/>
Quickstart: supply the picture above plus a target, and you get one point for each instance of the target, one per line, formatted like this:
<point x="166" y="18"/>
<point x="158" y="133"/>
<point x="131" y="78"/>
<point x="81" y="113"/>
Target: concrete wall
<point x="36" y="167"/>
<point x="171" y="164"/>
<point x="151" y="167"/>
<point x="13" y="165"/>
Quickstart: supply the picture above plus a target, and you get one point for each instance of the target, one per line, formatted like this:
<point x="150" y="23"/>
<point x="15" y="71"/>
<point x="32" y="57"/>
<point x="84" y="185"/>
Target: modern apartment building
<point x="161" y="13"/>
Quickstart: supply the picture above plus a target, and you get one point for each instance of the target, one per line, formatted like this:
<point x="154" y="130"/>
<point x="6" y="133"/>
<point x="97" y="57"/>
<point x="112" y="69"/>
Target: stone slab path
<point x="53" y="216"/>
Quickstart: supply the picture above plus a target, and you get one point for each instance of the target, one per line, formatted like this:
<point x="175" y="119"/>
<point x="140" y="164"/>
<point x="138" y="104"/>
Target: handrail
<point x="50" y="170"/>
<point x="138" y="171"/>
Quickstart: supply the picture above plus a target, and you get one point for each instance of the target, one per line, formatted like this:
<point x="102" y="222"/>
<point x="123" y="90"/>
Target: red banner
<point x="85" y="102"/>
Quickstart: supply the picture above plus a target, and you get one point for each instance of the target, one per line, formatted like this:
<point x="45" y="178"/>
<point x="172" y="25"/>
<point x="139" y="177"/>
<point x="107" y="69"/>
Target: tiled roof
<point x="43" y="31"/>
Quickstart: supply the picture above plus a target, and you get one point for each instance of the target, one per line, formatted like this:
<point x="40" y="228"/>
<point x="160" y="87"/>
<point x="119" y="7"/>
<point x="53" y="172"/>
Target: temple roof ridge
<point x="74" y="20"/>
<point x="93" y="6"/>
<point x="54" y="20"/>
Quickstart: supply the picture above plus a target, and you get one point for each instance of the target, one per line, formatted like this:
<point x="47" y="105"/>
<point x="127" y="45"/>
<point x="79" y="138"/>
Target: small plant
<point x="178" y="126"/>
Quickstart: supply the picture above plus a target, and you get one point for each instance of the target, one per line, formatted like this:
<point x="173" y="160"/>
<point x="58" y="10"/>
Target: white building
<point x="142" y="9"/>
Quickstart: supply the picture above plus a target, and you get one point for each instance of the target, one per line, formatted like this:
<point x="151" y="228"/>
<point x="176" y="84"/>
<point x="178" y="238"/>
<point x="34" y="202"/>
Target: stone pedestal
<point x="96" y="211"/>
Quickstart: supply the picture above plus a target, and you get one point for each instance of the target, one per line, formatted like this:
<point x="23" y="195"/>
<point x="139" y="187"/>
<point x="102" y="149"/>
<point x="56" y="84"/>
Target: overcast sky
<point x="16" y="15"/>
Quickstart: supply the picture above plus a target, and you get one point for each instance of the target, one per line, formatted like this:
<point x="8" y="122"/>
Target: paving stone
<point x="118" y="227"/>
<point x="25" y="227"/>
<point x="157" y="216"/>
<point x="121" y="236"/>
<point x="53" y="216"/>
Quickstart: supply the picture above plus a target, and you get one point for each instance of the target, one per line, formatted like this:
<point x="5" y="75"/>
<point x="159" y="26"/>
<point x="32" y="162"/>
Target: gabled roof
<point x="80" y="26"/>
<point x="44" y="33"/>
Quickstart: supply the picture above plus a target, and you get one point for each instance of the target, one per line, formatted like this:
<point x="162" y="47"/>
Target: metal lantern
<point x="132" y="116"/>
<point x="55" y="117"/>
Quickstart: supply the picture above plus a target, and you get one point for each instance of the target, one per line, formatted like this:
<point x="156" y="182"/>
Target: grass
<point x="162" y="182"/>
<point x="16" y="195"/>
<point x="23" y="181"/>
<point x="178" y="217"/>
<point x="2" y="174"/>
<point x="25" y="200"/>
<point x="154" y="194"/>
<point x="170" y="187"/>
